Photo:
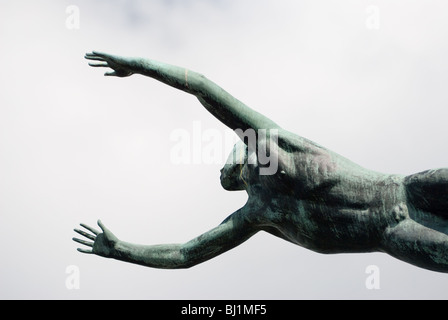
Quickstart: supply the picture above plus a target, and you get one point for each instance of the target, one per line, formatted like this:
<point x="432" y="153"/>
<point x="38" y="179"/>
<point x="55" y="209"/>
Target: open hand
<point x="103" y="243"/>
<point x="123" y="67"/>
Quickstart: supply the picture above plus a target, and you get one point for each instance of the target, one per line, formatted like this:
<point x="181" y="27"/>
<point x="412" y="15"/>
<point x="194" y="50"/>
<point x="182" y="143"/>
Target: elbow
<point x="183" y="260"/>
<point x="187" y="258"/>
<point x="197" y="83"/>
<point x="201" y="80"/>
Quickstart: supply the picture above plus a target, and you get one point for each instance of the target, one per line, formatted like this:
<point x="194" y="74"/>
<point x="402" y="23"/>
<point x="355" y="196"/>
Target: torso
<point x="322" y="201"/>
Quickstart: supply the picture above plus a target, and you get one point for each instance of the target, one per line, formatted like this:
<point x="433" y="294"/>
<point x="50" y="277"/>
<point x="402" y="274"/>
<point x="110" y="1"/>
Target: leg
<point x="428" y="191"/>
<point x="417" y="245"/>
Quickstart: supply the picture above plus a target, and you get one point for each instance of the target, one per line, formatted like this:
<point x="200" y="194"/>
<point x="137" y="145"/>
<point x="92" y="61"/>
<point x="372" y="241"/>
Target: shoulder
<point x="292" y="142"/>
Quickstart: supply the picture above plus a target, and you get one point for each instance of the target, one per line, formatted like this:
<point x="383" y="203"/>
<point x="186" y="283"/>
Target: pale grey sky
<point x="75" y="146"/>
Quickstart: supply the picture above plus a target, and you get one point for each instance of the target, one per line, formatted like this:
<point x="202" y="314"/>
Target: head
<point x="231" y="172"/>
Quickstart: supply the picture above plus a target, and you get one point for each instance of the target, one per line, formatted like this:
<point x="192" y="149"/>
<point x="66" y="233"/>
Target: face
<point x="230" y="173"/>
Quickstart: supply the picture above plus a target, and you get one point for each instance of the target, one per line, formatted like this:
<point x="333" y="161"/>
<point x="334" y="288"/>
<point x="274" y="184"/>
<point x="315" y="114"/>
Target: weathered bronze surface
<point x="312" y="196"/>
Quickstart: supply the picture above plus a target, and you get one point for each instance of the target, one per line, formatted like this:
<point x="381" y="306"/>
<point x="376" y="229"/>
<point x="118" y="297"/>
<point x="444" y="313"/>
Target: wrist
<point x="139" y="65"/>
<point x="123" y="251"/>
<point x="118" y="249"/>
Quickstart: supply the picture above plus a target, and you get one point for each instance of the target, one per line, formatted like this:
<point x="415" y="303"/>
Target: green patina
<point x="313" y="197"/>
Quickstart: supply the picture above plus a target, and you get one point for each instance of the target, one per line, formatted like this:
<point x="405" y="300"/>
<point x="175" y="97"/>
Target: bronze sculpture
<point x="314" y="198"/>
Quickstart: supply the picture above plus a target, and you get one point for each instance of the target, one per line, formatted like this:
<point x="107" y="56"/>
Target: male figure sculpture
<point x="316" y="198"/>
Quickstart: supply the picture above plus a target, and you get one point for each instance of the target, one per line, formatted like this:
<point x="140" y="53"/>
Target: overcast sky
<point x="366" y="79"/>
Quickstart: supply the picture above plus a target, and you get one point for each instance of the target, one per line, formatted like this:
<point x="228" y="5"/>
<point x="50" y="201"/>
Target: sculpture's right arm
<point x="226" y="108"/>
<point x="231" y="233"/>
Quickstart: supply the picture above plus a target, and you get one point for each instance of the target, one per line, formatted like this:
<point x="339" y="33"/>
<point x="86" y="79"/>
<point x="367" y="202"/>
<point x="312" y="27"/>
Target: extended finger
<point x="85" y="251"/>
<point x="111" y="74"/>
<point x="94" y="231"/>
<point x="85" y="234"/>
<point x="86" y="243"/>
<point x="102" y="54"/>
<point x="105" y="64"/>
<point x="93" y="57"/>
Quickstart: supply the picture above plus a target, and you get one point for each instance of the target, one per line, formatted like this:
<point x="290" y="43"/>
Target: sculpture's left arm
<point x="231" y="233"/>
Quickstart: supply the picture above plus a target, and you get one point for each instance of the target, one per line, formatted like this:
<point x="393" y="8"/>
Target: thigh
<point x="416" y="244"/>
<point x="428" y="191"/>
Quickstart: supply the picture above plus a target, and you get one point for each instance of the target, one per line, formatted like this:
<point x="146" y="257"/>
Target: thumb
<point x="107" y="233"/>
<point x="102" y="226"/>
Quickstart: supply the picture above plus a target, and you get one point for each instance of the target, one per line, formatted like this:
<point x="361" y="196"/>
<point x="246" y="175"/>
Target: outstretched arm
<point x="226" y="108"/>
<point x="232" y="232"/>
